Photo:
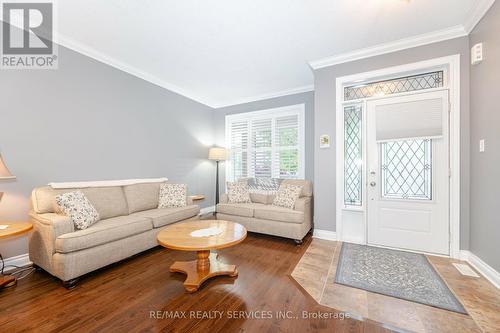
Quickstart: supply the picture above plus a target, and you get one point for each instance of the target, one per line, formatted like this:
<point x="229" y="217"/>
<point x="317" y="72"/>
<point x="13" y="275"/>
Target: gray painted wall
<point x="90" y="121"/>
<point x="485" y="124"/>
<point x="303" y="98"/>
<point x="324" y="123"/>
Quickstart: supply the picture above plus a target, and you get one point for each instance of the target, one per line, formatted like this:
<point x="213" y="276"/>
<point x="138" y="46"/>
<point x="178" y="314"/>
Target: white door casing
<point x="402" y="211"/>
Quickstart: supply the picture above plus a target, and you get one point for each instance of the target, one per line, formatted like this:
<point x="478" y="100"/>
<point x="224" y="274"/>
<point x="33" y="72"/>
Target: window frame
<point x="362" y="148"/>
<point x="291" y="110"/>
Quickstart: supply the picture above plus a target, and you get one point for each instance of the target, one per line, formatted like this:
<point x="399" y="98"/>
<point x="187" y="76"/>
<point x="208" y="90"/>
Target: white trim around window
<point x="246" y="124"/>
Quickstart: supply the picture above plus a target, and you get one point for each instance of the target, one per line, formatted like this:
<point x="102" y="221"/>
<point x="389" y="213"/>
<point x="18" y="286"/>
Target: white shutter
<point x="267" y="143"/>
<point x="261" y="148"/>
<point x="410" y="120"/>
<point x="286" y="142"/>
<point x="238" y="147"/>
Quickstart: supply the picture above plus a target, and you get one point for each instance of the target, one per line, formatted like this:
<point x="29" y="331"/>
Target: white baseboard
<point x="325" y="234"/>
<point x="207" y="210"/>
<point x="486" y="270"/>
<point x="21" y="260"/>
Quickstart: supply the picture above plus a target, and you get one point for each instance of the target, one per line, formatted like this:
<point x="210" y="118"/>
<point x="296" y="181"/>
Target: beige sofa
<point x="262" y="217"/>
<point x="129" y="223"/>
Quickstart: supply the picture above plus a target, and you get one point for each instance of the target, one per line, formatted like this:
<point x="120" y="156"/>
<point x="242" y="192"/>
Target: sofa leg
<point x="36" y="267"/>
<point x="298" y="241"/>
<point x="70" y="284"/>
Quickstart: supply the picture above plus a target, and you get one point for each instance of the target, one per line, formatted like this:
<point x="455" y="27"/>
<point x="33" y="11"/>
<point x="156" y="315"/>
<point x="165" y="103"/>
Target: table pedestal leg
<point x="204" y="267"/>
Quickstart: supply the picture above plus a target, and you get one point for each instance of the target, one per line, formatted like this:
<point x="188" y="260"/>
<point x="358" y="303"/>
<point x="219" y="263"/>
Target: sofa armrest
<point x="42" y="244"/>
<point x="60" y="224"/>
<point x="223" y="198"/>
<point x="304" y="204"/>
<point x="189" y="201"/>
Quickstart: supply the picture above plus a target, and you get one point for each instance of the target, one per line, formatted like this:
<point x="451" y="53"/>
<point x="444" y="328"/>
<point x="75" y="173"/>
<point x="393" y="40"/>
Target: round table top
<point x="178" y="236"/>
<point x="14" y="228"/>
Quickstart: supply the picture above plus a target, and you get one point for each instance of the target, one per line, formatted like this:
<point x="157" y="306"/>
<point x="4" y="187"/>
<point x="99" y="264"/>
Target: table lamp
<point x="217" y="154"/>
<point x="4" y="173"/>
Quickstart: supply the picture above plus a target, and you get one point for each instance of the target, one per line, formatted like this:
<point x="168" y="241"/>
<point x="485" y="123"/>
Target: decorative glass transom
<point x="394" y="86"/>
<point x="353" y="157"/>
<point x="407" y="169"/>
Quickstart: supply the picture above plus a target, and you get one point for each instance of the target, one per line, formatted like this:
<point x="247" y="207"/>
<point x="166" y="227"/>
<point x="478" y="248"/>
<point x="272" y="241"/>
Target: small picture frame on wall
<point x="324" y="141"/>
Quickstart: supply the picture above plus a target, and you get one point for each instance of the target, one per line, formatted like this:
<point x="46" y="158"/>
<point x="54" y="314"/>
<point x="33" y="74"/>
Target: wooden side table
<point x="198" y="197"/>
<point x="12" y="229"/>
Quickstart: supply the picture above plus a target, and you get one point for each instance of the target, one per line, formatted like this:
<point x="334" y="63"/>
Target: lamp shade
<point x="4" y="172"/>
<point x="217" y="154"/>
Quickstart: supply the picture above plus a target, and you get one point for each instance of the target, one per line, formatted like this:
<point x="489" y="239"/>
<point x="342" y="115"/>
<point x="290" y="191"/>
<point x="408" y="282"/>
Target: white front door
<point x="408" y="177"/>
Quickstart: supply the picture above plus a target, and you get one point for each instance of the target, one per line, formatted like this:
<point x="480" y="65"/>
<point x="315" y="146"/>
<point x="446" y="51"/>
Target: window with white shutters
<point x="268" y="143"/>
<point x="238" y="148"/>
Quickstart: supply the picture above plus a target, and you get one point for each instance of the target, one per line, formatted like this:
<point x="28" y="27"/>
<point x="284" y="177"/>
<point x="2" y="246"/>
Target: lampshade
<point x="217" y="154"/>
<point x="4" y="172"/>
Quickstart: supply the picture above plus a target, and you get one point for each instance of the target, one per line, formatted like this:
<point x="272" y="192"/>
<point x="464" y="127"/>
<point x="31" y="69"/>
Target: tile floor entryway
<point x="315" y="272"/>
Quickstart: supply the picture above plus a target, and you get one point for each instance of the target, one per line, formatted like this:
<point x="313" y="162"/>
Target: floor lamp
<point x="217" y="154"/>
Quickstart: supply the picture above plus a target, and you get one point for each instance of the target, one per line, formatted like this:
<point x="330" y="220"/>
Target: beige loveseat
<point x="262" y="217"/>
<point x="129" y="223"/>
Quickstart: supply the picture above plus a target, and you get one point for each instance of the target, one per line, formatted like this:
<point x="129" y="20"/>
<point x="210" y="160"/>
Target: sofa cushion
<point x="164" y="216"/>
<point x="287" y="195"/>
<point x="263" y="198"/>
<point x="269" y="212"/>
<point x="78" y="208"/>
<point x="172" y="195"/>
<point x="307" y="188"/>
<point x="237" y="192"/>
<point x="43" y="199"/>
<point x="108" y="201"/>
<point x="142" y="196"/>
<point x="239" y="209"/>
<point x="103" y="232"/>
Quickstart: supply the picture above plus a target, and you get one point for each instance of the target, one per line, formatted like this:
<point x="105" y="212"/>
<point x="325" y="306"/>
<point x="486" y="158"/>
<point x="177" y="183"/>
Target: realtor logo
<point x="27" y="36"/>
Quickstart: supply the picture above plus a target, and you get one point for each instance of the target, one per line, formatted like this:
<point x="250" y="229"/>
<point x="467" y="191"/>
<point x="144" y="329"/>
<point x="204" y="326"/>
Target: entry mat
<point x="394" y="273"/>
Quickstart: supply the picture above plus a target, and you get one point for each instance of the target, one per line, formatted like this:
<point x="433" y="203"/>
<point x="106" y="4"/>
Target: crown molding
<point x="398" y="45"/>
<point x="476" y="14"/>
<point x="91" y="53"/>
<point x="275" y="94"/>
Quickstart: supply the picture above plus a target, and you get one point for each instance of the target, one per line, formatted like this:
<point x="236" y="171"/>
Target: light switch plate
<point x="476" y="54"/>
<point x="481" y="146"/>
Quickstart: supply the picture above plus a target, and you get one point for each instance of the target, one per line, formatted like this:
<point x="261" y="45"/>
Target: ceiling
<point x="224" y="52"/>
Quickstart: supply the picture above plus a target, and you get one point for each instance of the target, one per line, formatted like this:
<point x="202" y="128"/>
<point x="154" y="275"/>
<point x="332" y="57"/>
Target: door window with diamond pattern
<point x="353" y="155"/>
<point x="406" y="169"/>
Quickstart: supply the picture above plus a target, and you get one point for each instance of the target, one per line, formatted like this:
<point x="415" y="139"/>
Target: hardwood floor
<point x="316" y="273"/>
<point x="133" y="295"/>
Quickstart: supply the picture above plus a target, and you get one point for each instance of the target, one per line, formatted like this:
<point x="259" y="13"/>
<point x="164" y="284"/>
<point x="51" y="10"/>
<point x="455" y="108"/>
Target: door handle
<point x="373" y="184"/>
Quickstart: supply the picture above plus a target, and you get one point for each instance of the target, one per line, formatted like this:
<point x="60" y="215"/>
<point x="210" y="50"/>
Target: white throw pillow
<point x="237" y="192"/>
<point x="78" y="208"/>
<point x="172" y="195"/>
<point x="287" y="195"/>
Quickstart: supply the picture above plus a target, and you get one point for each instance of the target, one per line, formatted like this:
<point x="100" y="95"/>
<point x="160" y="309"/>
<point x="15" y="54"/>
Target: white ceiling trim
<point x="281" y="93"/>
<point x="89" y="52"/>
<point x="476" y="14"/>
<point x="398" y="45"/>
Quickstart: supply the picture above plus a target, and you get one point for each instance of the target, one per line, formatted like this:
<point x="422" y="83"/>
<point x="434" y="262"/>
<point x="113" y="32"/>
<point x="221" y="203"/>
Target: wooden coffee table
<point x="178" y="237"/>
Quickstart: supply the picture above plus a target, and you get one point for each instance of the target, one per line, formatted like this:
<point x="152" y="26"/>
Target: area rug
<point x="399" y="274"/>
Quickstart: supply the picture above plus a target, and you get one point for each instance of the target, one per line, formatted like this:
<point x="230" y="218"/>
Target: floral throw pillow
<point x="78" y="208"/>
<point x="287" y="195"/>
<point x="237" y="192"/>
<point x="172" y="195"/>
